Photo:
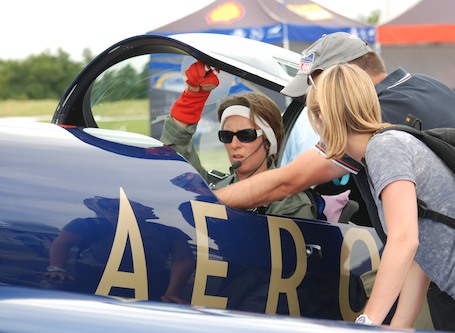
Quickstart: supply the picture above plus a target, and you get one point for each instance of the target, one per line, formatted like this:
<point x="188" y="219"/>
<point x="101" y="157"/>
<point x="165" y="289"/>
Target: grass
<point x="130" y="116"/>
<point x="42" y="110"/>
<point x="124" y="108"/>
<point x="133" y="115"/>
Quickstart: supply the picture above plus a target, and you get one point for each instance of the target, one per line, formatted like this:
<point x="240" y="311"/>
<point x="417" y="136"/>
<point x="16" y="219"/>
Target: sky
<point x="30" y="27"/>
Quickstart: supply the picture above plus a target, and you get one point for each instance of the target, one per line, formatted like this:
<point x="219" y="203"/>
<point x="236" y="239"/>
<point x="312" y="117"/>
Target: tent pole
<point x="285" y="35"/>
<point x="284" y="24"/>
<point x="377" y="44"/>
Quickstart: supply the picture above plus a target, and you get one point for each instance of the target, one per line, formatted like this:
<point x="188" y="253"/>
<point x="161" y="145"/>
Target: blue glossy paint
<point x="119" y="211"/>
<point x="59" y="178"/>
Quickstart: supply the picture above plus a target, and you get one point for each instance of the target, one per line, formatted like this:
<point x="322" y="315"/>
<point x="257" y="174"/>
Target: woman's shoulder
<point x="394" y="140"/>
<point x="390" y="148"/>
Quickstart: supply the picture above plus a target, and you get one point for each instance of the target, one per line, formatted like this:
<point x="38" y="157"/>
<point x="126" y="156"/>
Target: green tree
<point x="87" y="55"/>
<point x="47" y="76"/>
<point x="372" y="19"/>
<point x="43" y="76"/>
<point x="121" y="83"/>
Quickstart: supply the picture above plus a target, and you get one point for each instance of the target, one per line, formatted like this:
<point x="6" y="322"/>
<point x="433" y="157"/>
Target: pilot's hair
<point x="259" y="105"/>
<point x="343" y="102"/>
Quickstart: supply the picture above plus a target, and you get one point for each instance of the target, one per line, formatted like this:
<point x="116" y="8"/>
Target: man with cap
<point x="413" y="99"/>
<point x="399" y="92"/>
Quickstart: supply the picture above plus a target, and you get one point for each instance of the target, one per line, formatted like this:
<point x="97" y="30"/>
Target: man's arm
<point x="309" y="168"/>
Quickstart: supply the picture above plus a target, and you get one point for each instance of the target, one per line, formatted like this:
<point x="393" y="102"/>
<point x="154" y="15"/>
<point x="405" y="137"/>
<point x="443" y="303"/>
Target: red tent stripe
<point x="410" y="34"/>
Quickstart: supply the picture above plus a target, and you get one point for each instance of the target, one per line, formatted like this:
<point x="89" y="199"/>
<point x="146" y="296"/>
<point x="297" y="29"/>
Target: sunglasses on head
<point x="312" y="77"/>
<point x="246" y="135"/>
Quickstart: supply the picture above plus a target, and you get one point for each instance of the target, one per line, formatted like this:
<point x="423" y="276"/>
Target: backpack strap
<point x="413" y="121"/>
<point x="424" y="212"/>
<point x="441" y="142"/>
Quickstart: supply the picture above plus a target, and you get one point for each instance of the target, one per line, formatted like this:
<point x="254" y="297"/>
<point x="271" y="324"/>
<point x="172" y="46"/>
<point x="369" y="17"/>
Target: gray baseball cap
<point x="331" y="49"/>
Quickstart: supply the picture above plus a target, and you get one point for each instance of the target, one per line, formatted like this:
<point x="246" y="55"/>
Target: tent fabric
<point x="307" y="21"/>
<point x="270" y="21"/>
<point x="428" y="21"/>
<point x="421" y="40"/>
<point x="438" y="62"/>
<point x="410" y="34"/>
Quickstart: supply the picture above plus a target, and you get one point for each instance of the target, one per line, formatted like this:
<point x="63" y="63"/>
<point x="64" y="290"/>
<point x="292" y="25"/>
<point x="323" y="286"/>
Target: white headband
<point x="243" y="111"/>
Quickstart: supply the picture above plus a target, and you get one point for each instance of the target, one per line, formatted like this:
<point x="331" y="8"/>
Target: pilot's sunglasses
<point x="246" y="135"/>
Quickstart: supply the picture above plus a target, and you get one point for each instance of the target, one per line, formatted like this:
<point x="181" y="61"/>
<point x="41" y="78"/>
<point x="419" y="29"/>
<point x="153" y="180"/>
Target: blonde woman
<point x="344" y="109"/>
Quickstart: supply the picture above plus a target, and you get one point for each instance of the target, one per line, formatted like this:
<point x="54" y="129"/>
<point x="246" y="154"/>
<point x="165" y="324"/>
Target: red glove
<point x="201" y="79"/>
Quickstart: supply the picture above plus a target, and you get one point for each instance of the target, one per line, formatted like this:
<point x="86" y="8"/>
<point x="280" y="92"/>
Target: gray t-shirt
<point x="396" y="155"/>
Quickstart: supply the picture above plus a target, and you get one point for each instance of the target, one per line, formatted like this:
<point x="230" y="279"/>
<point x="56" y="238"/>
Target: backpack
<point x="442" y="142"/>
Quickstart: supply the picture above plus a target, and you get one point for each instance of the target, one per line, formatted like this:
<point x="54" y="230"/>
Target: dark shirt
<point x="401" y="93"/>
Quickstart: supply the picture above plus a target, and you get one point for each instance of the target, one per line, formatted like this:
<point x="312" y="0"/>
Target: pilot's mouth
<point x="237" y="157"/>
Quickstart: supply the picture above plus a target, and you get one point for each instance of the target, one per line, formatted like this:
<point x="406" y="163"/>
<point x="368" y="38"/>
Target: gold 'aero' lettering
<point x="352" y="236"/>
<point x="278" y="284"/>
<point x="127" y="227"/>
<point x="204" y="266"/>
